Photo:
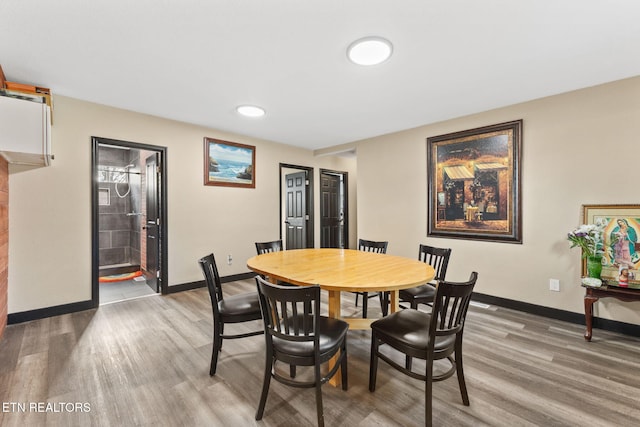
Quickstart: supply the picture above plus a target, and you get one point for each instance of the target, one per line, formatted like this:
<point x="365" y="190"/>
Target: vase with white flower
<point x="590" y="238"/>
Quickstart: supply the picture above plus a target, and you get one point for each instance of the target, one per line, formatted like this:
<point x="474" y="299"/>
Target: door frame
<point x="151" y="274"/>
<point x="95" y="235"/>
<point x="309" y="196"/>
<point x="345" y="201"/>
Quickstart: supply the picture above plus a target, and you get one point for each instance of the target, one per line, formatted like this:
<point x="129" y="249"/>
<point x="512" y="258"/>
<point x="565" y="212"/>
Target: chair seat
<point x="240" y="307"/>
<point x="332" y="332"/>
<point x="409" y="329"/>
<point x="419" y="292"/>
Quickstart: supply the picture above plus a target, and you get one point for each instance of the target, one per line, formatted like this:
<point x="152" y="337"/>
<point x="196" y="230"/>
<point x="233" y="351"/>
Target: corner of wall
<point x="4" y="242"/>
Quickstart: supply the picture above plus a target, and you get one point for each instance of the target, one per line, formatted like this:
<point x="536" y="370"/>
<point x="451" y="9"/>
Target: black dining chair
<point x="381" y="248"/>
<point x="232" y="309"/>
<point x="266" y="247"/>
<point x="297" y="335"/>
<point x="429" y="336"/>
<point x="438" y="258"/>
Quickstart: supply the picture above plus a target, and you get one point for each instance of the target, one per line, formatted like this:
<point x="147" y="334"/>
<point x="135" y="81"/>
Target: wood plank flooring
<point x="127" y="289"/>
<point x="146" y="361"/>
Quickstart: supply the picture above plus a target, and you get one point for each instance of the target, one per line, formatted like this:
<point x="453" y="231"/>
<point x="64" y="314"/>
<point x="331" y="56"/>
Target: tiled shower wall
<point x="119" y="232"/>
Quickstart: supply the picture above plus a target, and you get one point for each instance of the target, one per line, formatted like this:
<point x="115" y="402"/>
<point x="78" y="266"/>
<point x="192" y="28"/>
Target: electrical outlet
<point x="554" y="285"/>
<point x="229" y="259"/>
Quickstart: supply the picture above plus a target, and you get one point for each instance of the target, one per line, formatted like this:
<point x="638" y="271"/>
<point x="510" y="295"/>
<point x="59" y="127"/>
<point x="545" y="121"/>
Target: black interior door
<point x="296" y="210"/>
<point x="331" y="214"/>
<point x="152" y="273"/>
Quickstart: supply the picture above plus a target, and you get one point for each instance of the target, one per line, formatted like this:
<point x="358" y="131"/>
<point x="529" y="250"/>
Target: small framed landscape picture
<point x="229" y="164"/>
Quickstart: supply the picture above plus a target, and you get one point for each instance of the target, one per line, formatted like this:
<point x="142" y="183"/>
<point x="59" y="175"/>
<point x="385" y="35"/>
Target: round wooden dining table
<point x="344" y="270"/>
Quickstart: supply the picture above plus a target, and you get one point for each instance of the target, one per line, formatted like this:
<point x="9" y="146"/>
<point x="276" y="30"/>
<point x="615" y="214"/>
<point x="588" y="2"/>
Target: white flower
<point x="589" y="237"/>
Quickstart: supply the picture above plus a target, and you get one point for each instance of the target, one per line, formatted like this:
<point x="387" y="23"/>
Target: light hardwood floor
<point x="128" y="289"/>
<point x="146" y="362"/>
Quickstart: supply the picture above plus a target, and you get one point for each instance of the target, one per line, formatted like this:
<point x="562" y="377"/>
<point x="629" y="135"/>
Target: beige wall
<point x="578" y="148"/>
<point x="50" y="216"/>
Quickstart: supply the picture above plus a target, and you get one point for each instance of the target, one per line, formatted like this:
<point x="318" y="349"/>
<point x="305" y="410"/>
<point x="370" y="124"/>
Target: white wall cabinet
<point x="25" y="131"/>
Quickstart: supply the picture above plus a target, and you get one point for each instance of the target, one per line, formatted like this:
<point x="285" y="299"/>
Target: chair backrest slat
<point x="212" y="277"/>
<point x="450" y="307"/>
<point x="266" y="247"/>
<point x="438" y="258"/>
<point x="283" y="314"/>
<point x="292" y="312"/>
<point x="373" y="246"/>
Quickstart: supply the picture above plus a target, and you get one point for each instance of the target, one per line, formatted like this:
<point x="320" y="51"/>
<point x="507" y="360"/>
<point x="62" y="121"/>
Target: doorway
<point x="296" y="206"/>
<point x="333" y="209"/>
<point x="128" y="220"/>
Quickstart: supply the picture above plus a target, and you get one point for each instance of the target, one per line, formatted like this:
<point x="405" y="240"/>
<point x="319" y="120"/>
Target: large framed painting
<point x="620" y="226"/>
<point x="474" y="184"/>
<point x="229" y="164"/>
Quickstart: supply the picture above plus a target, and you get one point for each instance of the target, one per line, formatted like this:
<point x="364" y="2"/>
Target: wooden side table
<point x="594" y="294"/>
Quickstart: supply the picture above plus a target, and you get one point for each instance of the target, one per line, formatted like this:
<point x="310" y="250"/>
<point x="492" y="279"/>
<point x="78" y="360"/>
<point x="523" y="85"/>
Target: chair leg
<point x="343" y="366"/>
<point x="220" y="334"/>
<point x="319" y="410"/>
<point x="384" y="303"/>
<point x="408" y="362"/>
<point x="268" y="366"/>
<point x="428" y="388"/>
<point x="373" y="363"/>
<point x="365" y="300"/>
<point x="217" y="343"/>
<point x="460" y="374"/>
<point x="357" y="295"/>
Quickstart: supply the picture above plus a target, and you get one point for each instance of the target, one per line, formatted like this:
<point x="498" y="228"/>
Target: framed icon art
<point x="619" y="245"/>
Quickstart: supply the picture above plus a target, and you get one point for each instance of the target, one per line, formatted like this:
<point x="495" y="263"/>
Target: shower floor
<point x="120" y="291"/>
<point x="108" y="270"/>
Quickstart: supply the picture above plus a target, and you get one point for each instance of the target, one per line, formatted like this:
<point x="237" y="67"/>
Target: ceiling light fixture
<point x="369" y="51"/>
<point x="250" y="111"/>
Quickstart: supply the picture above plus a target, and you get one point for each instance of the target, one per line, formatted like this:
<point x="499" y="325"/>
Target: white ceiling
<point x="196" y="60"/>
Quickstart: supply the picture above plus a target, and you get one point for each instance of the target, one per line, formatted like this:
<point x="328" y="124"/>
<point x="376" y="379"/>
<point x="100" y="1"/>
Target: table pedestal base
<point x="355" y="323"/>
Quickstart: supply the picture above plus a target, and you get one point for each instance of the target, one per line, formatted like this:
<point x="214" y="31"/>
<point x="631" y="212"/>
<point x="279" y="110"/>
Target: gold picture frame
<point x="621" y="245"/>
<point x="474" y="184"/>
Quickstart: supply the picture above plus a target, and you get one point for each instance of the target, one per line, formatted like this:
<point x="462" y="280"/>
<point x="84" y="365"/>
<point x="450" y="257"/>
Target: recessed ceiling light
<point x="370" y="50"/>
<point x="250" y="111"/>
